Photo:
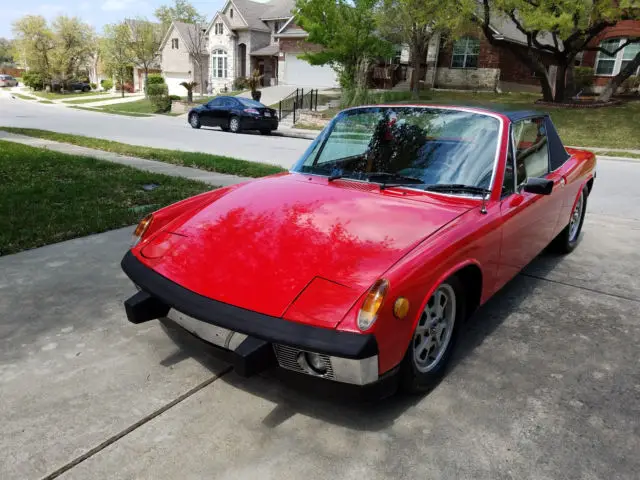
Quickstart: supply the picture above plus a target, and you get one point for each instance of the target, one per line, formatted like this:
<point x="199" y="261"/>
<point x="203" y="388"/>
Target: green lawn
<point x="138" y="106"/>
<point x="205" y="161"/>
<point x="614" y="127"/>
<point x="91" y="99"/>
<point x="49" y="102"/>
<point x="23" y="97"/>
<point x="205" y="99"/>
<point x="59" y="96"/>
<point x="100" y="110"/>
<point x="49" y="197"/>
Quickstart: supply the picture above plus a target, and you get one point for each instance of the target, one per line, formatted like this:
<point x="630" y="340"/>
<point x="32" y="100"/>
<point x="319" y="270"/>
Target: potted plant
<point x="253" y="82"/>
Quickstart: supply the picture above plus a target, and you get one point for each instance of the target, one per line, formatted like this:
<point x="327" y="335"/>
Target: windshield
<point x="247" y="102"/>
<point x="421" y="147"/>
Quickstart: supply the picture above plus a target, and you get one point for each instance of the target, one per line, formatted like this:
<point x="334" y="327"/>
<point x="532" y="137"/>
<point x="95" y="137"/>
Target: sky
<point x="96" y="12"/>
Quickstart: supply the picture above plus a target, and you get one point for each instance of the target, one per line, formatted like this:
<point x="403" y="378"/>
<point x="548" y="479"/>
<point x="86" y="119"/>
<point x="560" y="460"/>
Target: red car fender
<point x="167" y="215"/>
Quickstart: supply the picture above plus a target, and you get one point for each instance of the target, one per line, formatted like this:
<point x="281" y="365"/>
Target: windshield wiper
<point x="456" y="187"/>
<point x="386" y="179"/>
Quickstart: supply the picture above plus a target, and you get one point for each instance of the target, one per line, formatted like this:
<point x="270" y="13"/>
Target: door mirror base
<point x="539" y="186"/>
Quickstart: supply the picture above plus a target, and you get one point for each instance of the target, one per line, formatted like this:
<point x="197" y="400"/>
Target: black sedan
<point x="234" y="114"/>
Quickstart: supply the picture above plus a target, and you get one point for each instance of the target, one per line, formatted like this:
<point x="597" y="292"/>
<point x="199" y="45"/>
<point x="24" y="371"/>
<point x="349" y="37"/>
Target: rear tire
<point x="567" y="239"/>
<point x="434" y="338"/>
<point x="234" y="124"/>
<point x="194" y="120"/>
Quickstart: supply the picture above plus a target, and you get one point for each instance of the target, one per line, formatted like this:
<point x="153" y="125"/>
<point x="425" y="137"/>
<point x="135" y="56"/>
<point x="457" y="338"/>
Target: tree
<point x="560" y="29"/>
<point x="145" y="44"/>
<point x="6" y="50"/>
<point x="74" y="44"/>
<point x="347" y="31"/>
<point x="414" y="22"/>
<point x="35" y="41"/>
<point x="115" y="50"/>
<point x="195" y="43"/>
<point x="181" y="11"/>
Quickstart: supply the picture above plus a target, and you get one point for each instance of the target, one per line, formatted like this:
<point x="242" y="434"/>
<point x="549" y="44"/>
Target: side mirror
<point x="540" y="186"/>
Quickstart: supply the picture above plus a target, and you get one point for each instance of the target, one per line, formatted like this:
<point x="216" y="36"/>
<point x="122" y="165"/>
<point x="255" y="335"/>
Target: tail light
<point x="253" y="111"/>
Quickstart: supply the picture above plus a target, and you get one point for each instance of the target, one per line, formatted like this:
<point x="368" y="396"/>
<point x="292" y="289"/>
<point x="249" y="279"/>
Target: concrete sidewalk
<point x="211" y="178"/>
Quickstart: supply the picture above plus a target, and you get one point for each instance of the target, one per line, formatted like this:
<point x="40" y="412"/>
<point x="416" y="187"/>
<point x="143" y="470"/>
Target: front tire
<point x="234" y="124"/>
<point x="434" y="337"/>
<point x="567" y="239"/>
<point x="194" y="120"/>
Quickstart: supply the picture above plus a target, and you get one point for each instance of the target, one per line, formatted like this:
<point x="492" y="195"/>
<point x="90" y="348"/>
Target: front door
<point x="210" y="115"/>
<point x="529" y="219"/>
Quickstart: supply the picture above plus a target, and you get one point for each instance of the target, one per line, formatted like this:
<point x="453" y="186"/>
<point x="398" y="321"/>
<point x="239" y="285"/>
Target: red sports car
<point x="361" y="263"/>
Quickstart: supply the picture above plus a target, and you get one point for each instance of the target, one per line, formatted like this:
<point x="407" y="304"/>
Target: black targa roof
<point x="557" y="153"/>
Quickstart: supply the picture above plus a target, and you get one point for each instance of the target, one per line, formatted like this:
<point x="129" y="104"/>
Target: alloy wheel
<point x="234" y="125"/>
<point x="434" y="330"/>
<point x="576" y="217"/>
<point x="194" y="120"/>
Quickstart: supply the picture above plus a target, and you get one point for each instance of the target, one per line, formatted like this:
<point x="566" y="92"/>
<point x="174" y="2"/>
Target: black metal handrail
<point x="298" y="100"/>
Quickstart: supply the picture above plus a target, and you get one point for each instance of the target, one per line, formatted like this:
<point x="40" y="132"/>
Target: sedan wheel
<point x="194" y="120"/>
<point x="234" y="124"/>
<point x="434" y="337"/>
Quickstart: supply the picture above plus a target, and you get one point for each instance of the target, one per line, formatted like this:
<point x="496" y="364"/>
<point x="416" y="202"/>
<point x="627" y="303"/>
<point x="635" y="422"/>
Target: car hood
<point x="295" y="239"/>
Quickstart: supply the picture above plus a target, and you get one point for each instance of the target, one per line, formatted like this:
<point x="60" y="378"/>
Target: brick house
<point x="606" y="66"/>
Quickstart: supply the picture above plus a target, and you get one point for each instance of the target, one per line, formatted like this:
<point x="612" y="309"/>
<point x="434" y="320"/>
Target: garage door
<point x="173" y="81"/>
<point x="298" y="72"/>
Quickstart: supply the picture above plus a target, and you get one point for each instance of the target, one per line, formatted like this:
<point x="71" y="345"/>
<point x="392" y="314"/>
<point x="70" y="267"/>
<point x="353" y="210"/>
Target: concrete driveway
<point x="545" y="385"/>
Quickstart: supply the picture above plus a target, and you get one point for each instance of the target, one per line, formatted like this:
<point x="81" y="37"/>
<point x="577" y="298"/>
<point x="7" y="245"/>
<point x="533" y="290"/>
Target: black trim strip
<point x="272" y="329"/>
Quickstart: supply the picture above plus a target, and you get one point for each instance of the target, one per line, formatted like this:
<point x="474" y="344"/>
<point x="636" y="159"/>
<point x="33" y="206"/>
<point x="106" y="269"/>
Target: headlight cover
<point x="372" y="303"/>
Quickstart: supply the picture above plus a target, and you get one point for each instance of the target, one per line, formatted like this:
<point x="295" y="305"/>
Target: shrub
<point x="175" y="97"/>
<point x="583" y="77"/>
<point x="155" y="79"/>
<point x="93" y="86"/>
<point x="630" y="84"/>
<point x="159" y="97"/>
<point x="241" y="83"/>
<point x="128" y="87"/>
<point x="107" y="83"/>
<point x="33" y="80"/>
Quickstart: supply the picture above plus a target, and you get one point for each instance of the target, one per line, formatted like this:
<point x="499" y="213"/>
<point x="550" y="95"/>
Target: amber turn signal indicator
<point x="142" y="227"/>
<point x="401" y="308"/>
<point x="372" y="303"/>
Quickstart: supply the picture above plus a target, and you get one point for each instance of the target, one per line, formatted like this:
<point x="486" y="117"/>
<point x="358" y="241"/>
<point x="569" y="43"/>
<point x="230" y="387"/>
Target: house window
<point x="218" y="29"/>
<point x="231" y="13"/>
<point x="219" y="64"/>
<point x="465" y="53"/>
<point x="174" y="44"/>
<point x="610" y="65"/>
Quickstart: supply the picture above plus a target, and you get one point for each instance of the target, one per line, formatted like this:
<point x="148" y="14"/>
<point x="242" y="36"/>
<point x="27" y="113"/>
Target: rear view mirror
<point x="540" y="186"/>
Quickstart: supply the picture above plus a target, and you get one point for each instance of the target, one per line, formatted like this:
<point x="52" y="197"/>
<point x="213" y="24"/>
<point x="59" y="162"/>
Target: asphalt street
<point x="157" y="131"/>
<point x="545" y="383"/>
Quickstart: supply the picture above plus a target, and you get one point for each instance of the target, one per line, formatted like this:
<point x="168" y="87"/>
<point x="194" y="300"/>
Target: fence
<point x="298" y="100"/>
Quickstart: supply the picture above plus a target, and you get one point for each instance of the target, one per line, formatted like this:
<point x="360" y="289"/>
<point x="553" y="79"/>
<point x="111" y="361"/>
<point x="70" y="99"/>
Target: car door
<point x="228" y="105"/>
<point x="529" y="219"/>
<point x="209" y="115"/>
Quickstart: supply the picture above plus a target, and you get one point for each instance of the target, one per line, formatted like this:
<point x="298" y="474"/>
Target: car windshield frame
<point x="315" y="149"/>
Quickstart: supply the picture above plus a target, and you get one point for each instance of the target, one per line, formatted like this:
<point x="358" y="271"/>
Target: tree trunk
<point x="561" y="81"/>
<point x="201" y="79"/>
<point x="419" y="54"/>
<point x="146" y="80"/>
<point x="613" y="84"/>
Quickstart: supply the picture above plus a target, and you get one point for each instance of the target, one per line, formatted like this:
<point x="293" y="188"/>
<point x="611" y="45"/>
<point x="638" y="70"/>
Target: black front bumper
<point x="159" y="294"/>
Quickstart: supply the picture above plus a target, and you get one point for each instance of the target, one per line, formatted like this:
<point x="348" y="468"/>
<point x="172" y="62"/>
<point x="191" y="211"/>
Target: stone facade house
<point x="177" y="60"/>
<point x="245" y="36"/>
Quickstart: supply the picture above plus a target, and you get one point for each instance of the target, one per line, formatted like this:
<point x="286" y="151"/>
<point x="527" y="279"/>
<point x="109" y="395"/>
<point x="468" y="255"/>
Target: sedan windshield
<point x="444" y="150"/>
